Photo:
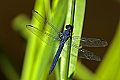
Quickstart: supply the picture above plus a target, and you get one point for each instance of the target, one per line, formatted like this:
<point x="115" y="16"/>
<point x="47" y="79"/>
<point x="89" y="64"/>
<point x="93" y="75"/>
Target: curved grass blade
<point x="109" y="69"/>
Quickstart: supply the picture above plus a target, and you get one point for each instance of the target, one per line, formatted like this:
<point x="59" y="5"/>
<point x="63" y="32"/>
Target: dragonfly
<point x="62" y="37"/>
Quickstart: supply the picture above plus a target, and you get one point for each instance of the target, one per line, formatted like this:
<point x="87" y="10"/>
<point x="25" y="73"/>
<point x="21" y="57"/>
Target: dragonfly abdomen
<point x="56" y="57"/>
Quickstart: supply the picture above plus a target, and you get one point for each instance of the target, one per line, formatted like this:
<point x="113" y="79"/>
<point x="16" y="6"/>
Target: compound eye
<point x="67" y="26"/>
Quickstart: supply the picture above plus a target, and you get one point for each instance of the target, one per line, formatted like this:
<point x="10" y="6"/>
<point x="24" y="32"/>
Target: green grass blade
<point x="65" y="60"/>
<point x="110" y="66"/>
<point x="82" y="73"/>
<point x="31" y="49"/>
<point x="19" y="24"/>
<point x="60" y="12"/>
<point x="77" y="31"/>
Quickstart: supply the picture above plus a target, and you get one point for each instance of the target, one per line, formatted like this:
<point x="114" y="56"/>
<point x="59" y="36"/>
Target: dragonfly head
<point x="69" y="27"/>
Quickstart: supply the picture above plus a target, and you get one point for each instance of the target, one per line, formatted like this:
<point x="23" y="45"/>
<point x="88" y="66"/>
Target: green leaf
<point x="83" y="73"/>
<point x="19" y="24"/>
<point x="110" y="66"/>
<point x="75" y="19"/>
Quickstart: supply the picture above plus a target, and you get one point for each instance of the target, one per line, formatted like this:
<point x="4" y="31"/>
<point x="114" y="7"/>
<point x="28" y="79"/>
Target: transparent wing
<point x="47" y="33"/>
<point x="90" y="42"/>
<point x="83" y="53"/>
<point x="42" y="34"/>
<point x="44" y="20"/>
<point x="93" y="42"/>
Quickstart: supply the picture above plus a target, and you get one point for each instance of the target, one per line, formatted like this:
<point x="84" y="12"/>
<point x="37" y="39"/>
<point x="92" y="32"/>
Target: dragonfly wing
<point x="93" y="42"/>
<point x="90" y="42"/>
<point x="83" y="53"/>
<point x="45" y="31"/>
<point x="43" y="35"/>
<point x="44" y="21"/>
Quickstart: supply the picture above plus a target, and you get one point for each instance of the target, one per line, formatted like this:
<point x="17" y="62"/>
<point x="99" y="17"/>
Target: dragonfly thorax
<point x="65" y="35"/>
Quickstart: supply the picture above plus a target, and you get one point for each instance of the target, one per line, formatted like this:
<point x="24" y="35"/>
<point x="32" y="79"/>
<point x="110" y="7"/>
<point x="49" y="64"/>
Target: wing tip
<point x="34" y="11"/>
<point x="28" y="25"/>
<point x="105" y="43"/>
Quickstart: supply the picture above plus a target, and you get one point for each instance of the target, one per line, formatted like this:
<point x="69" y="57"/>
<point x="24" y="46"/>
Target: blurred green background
<point x="101" y="20"/>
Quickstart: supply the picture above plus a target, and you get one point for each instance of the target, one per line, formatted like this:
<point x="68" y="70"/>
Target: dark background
<point x="101" y="20"/>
